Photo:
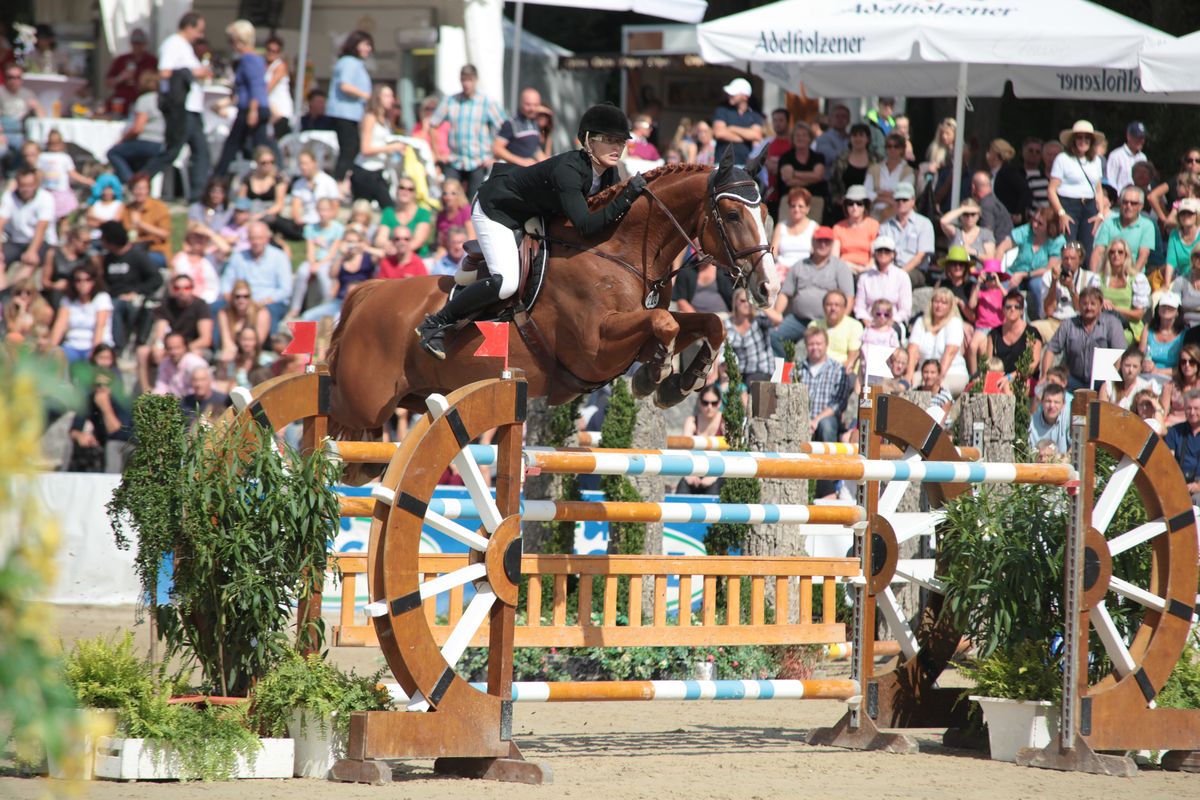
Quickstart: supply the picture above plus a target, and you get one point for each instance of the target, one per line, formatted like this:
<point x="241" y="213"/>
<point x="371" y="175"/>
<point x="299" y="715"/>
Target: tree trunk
<point x="650" y="433"/>
<point x="538" y="487"/>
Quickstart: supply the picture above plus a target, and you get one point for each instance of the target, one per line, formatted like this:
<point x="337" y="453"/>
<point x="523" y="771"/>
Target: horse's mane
<point x="604" y="197"/>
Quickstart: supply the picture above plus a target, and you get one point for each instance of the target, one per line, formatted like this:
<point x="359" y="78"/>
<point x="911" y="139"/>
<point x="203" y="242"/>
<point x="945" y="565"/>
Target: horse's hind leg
<point x="651" y="334"/>
<point x="710" y="329"/>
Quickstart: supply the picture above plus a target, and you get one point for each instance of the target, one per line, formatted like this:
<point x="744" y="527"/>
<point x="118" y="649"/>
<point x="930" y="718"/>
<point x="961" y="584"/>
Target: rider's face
<point x="606" y="149"/>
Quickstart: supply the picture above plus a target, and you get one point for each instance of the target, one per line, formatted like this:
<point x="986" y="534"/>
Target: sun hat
<point x="1171" y="299"/>
<point x="904" y="191"/>
<point x="1084" y="127"/>
<point x="856" y="192"/>
<point x="1190" y="205"/>
<point x="992" y="266"/>
<point x="883" y="242"/>
<point x="956" y="255"/>
<point x="738" y="86"/>
<point x="823" y="232"/>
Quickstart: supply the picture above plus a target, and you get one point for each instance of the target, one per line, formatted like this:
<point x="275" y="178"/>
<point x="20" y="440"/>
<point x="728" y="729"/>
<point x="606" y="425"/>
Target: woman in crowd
<point x="705" y="421"/>
<point x="456" y="211"/>
<point x="1127" y="296"/>
<point x="962" y="227"/>
<point x="367" y="181"/>
<point x="851" y="167"/>
<point x="1149" y="409"/>
<point x="101" y="433"/>
<point x="351" y="266"/>
<point x="322" y="241"/>
<point x="84" y="318"/>
<point x="1132" y="381"/>
<point x="704" y="150"/>
<point x="883" y="177"/>
<point x="25" y="312"/>
<point x="240" y="312"/>
<point x="852" y="236"/>
<point x="1039" y="245"/>
<point x="940" y="338"/>
<point x="412" y="215"/>
<point x="1014" y="336"/>
<point x="59" y="173"/>
<point x="1184" y="378"/>
<point x="957" y="266"/>
<point x="749" y="334"/>
<point x="252" y="125"/>
<point x="279" y="88"/>
<point x="213" y="210"/>
<point x="791" y="242"/>
<point x="1075" y="189"/>
<point x="1162" y="339"/>
<point x="193" y="262"/>
<point x="61" y="262"/>
<point x="1188" y="289"/>
<point x="938" y="168"/>
<point x="143" y="137"/>
<point x="148" y="220"/>
<point x="105" y="203"/>
<point x="1183" y="239"/>
<point x="436" y="136"/>
<point x="349" y="90"/>
<point x="312" y="186"/>
<point x="804" y="168"/>
<point x="265" y="187"/>
<point x="1164" y="197"/>
<point x="237" y="363"/>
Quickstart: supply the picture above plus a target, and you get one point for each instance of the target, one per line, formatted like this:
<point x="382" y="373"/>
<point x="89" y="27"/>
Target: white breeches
<point x="499" y="246"/>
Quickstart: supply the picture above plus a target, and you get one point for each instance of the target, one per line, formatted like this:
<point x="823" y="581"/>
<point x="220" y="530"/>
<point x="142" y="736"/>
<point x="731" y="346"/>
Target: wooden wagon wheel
<point x="906" y="696"/>
<point x="1117" y="712"/>
<point x="467" y="730"/>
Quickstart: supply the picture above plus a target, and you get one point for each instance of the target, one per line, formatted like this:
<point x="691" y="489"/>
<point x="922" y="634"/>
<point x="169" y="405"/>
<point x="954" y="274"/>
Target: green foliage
<point x="626" y="538"/>
<point x="247" y="526"/>
<point x="628" y="663"/>
<point x="319" y="689"/>
<point x="1182" y="689"/>
<point x="562" y="427"/>
<point x="106" y="673"/>
<point x="789" y="351"/>
<point x="147" y="501"/>
<point x="1023" y="671"/>
<point x="724" y="537"/>
<point x="208" y="739"/>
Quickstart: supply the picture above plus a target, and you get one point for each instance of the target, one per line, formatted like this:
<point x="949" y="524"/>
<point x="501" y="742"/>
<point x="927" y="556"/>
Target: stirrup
<point x="433" y="336"/>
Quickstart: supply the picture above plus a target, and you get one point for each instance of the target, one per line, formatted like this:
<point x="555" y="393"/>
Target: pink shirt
<point x="176" y="379"/>
<point x="989" y="311"/>
<point x="856" y="240"/>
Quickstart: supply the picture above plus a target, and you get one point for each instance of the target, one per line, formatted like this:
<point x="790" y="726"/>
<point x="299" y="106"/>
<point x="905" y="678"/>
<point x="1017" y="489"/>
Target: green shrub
<point x="312" y="684"/>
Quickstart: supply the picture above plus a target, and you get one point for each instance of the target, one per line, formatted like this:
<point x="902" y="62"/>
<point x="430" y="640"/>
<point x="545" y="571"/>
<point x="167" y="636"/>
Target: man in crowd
<point x="828" y="387"/>
<point x="912" y="233"/>
<point x="1183" y="439"/>
<point x="125" y="71"/>
<point x="130" y="277"/>
<point x="884" y="281"/>
<point x="1036" y="181"/>
<point x="456" y="237"/>
<point x="181" y="312"/>
<point x="836" y="138"/>
<point x="992" y="213"/>
<point x="1078" y="336"/>
<point x="736" y="125"/>
<point x="1008" y="179"/>
<point x="315" y="119"/>
<point x="803" y="292"/>
<point x="181" y="75"/>
<point x="520" y="138"/>
<point x="16" y="103"/>
<point x="203" y="402"/>
<point x="1051" y="420"/>
<point x="175" y="371"/>
<point x="1129" y="224"/>
<point x="399" y="260"/>
<point x="27" y="220"/>
<point x="1119" y="164"/>
<point x="265" y="268"/>
<point x="844" y="331"/>
<point x="881" y="122"/>
<point x="775" y="146"/>
<point x="474" y="121"/>
<point x="1062" y="287"/>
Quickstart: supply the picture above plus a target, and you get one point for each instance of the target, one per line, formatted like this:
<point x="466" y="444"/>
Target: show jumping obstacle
<point x="468" y="730"/>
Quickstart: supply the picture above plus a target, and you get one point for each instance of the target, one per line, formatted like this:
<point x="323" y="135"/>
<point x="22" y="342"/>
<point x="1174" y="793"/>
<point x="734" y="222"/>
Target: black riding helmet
<point x="604" y="118"/>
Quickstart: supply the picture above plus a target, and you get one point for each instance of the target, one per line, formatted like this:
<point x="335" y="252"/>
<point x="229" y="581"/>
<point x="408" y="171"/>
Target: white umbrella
<point x="1172" y="66"/>
<point x="679" y="10"/>
<point x="1056" y="48"/>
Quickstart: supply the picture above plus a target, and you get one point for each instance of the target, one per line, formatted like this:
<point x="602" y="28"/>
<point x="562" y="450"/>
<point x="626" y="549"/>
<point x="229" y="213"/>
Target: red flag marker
<point x="304" y="339"/>
<point x="495" y="341"/>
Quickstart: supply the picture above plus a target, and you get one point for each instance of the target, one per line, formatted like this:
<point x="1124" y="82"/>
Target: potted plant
<point x="311" y="700"/>
<point x="1019" y="696"/>
<point x="105" y="677"/>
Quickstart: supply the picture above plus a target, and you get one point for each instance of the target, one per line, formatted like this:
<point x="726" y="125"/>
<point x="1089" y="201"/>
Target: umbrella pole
<point x="301" y="64"/>
<point x="960" y="117"/>
<point x="514" y="67"/>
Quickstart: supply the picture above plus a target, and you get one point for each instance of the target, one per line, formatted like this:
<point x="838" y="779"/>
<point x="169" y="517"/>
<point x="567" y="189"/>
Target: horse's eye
<point x="733" y="216"/>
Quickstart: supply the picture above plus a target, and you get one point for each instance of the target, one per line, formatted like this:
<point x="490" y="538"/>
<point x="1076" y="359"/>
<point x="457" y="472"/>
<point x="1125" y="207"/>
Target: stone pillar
<point x="778" y="417"/>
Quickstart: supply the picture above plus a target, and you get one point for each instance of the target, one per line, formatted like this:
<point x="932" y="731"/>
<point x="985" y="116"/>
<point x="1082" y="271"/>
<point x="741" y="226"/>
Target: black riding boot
<point x="466" y="301"/>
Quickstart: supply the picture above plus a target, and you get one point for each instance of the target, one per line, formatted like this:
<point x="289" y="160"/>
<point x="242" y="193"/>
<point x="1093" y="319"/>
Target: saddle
<point x="532" y="252"/>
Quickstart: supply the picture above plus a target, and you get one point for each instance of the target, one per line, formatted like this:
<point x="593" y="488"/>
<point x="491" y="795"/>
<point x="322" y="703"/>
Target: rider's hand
<point x="635" y="186"/>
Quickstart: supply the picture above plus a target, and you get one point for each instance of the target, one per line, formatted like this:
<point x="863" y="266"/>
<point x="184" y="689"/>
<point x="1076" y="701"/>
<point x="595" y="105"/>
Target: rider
<point x="558" y="186"/>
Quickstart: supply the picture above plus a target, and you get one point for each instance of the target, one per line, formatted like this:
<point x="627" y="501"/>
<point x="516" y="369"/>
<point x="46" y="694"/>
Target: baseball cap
<point x="1137" y="130"/>
<point x="856" y="192"/>
<point x="1171" y="299"/>
<point x="738" y="86"/>
<point x="243" y="204"/>
<point x="884" y="242"/>
<point x="137" y="35"/>
<point x="1190" y="204"/>
<point x="904" y="191"/>
<point x="823" y="232"/>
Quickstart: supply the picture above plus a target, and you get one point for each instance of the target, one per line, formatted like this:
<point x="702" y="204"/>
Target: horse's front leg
<point x="648" y="335"/>
<point x="705" y="327"/>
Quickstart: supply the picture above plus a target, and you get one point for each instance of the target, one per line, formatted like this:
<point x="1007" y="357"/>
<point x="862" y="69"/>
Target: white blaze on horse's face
<point x="765" y="271"/>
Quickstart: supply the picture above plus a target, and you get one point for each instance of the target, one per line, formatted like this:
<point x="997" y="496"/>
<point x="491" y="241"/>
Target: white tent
<point x="1172" y="66"/>
<point x="1048" y="48"/>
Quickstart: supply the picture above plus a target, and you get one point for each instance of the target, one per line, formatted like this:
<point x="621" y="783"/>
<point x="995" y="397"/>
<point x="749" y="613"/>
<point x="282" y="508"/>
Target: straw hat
<point x="1081" y="126"/>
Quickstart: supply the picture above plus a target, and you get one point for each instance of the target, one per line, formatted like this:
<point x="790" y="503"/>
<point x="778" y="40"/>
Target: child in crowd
<point x="898" y="364"/>
<point x="105" y="203"/>
<point x="931" y="381"/>
<point x="352" y="265"/>
<point x="236" y="234"/>
<point x="58" y="170"/>
<point x="362" y="215"/>
<point x="882" y="330"/>
<point x="323" y="240"/>
<point x="193" y="262"/>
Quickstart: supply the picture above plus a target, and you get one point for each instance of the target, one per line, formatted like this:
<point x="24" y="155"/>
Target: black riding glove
<point x="635" y="186"/>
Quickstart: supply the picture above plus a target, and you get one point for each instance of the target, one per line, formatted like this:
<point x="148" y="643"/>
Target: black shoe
<point x="464" y="304"/>
<point x="432" y="331"/>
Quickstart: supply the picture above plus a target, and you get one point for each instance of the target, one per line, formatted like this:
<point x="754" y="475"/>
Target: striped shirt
<point x="474" y="122"/>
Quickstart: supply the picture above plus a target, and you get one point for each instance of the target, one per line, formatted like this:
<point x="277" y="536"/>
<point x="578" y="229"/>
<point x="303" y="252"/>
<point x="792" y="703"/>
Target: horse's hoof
<point x="669" y="393"/>
<point x="643" y="382"/>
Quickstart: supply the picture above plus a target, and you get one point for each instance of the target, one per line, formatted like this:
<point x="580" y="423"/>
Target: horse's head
<point x="736" y="237"/>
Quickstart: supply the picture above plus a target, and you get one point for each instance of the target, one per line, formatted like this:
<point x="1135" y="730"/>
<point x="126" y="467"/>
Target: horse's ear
<point x="725" y="168"/>
<point x="755" y="164"/>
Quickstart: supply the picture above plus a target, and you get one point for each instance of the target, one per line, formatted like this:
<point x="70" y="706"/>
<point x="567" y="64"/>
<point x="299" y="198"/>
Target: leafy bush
<point x="629" y="663"/>
<point x="627" y="538"/>
<point x="313" y="685"/>
<point x="1024" y="671"/>
<point x="727" y="536"/>
<point x="106" y="673"/>
<point x="1182" y="689"/>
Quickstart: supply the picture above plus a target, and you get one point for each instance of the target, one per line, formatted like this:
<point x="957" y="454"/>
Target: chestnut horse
<point x="603" y="306"/>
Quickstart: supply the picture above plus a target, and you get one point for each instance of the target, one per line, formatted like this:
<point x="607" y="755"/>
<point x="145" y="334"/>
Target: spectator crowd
<point x="1061" y="246"/>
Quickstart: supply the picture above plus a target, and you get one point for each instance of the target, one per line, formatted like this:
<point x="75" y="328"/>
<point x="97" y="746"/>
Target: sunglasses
<point x="401" y="238"/>
<point x="1193" y="160"/>
<point x="884" y="250"/>
<point x="1131" y="202"/>
<point x="712" y="403"/>
<point x="882" y="314"/>
<point x="1187" y="361"/>
<point x="407" y="188"/>
<point x="856" y="203"/>
<point x="1012" y="307"/>
<point x="241" y="297"/>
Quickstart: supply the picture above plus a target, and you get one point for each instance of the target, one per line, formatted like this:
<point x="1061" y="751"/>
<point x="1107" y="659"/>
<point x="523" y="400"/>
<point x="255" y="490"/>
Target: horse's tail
<point x="356" y="297"/>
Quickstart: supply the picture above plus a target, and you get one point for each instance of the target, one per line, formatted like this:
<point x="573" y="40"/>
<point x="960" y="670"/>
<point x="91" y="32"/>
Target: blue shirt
<point x="1029" y="261"/>
<point x="250" y="82"/>
<point x="730" y="116"/>
<point x="1185" y="445"/>
<point x="269" y="277"/>
<point x="1058" y="431"/>
<point x="351" y="70"/>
